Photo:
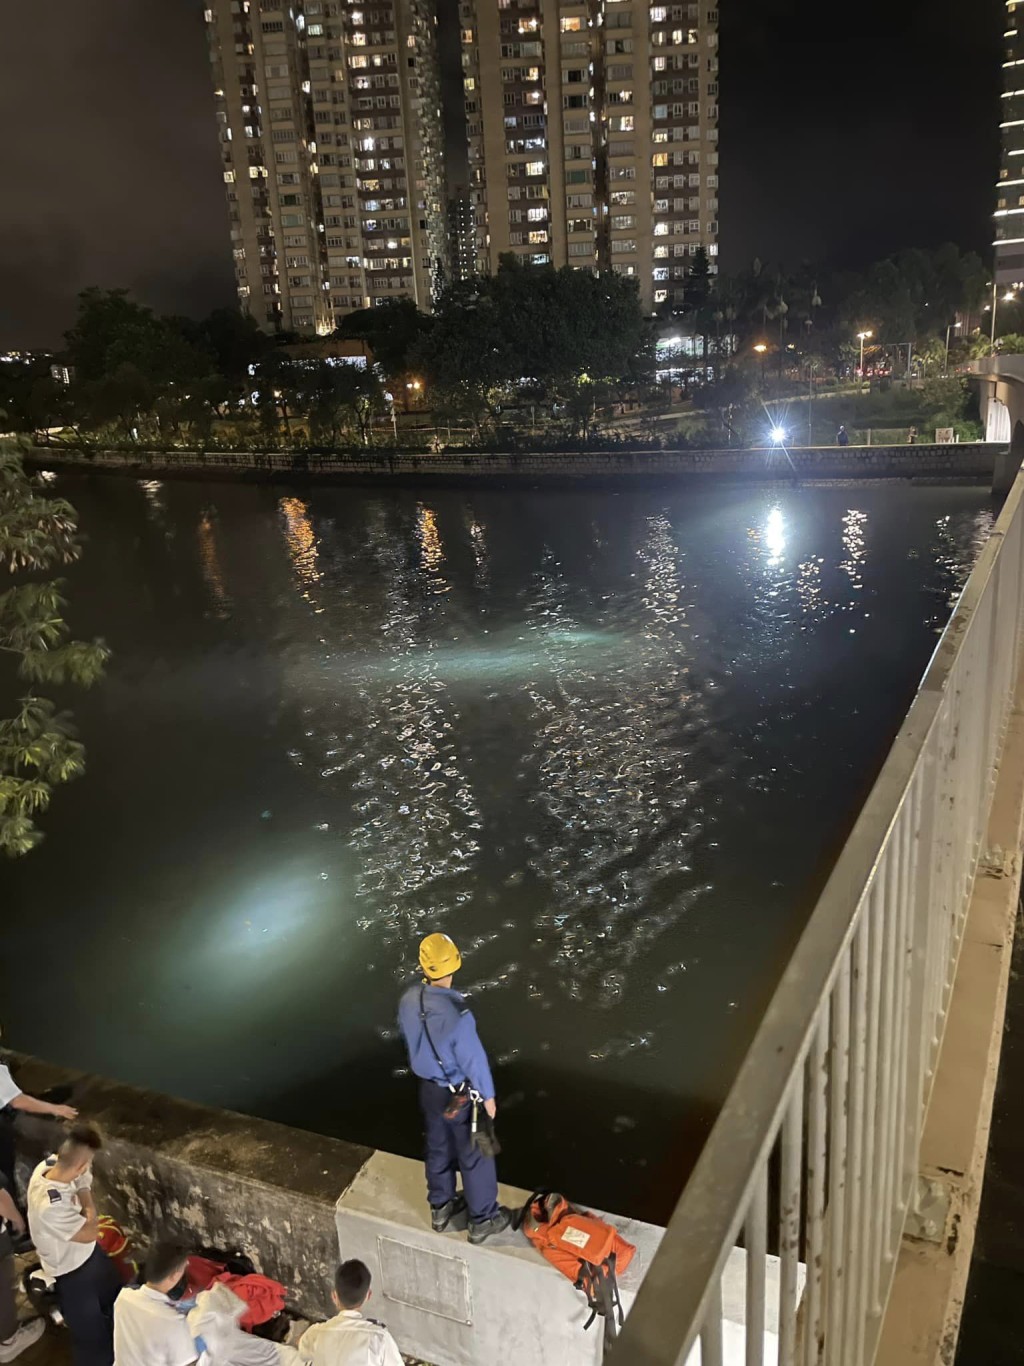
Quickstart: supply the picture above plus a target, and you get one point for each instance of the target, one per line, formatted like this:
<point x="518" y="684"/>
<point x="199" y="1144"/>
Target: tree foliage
<point x="38" y="750"/>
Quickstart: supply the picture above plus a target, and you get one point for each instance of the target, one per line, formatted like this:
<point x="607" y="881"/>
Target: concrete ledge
<point x="969" y="461"/>
<point x="223" y="1179"/>
<point x="295" y="1202"/>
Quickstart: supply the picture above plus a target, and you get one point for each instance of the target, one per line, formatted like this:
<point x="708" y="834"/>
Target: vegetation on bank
<point x="38" y="749"/>
<point x="532" y="356"/>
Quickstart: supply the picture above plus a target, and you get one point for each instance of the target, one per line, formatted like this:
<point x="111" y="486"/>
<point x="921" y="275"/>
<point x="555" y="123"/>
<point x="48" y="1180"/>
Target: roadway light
<point x="862" y="338"/>
<point x="778" y="435"/>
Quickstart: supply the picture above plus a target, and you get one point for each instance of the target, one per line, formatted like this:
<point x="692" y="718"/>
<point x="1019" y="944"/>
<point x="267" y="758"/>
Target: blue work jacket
<point x="453" y="1031"/>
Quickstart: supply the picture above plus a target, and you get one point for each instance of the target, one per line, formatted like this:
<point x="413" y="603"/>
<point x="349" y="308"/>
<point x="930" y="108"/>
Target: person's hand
<point x="17" y="1221"/>
<point x="491" y="1106"/>
<point x="63" y="1111"/>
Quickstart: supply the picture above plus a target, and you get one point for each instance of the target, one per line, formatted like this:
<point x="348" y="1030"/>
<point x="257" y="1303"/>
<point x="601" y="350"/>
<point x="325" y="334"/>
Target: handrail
<point x="837" y="1077"/>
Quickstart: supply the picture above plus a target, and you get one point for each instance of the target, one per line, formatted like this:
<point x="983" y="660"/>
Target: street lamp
<point x="957" y="324"/>
<point x="862" y="338"/>
<point x="761" y="349"/>
<point x="1008" y="298"/>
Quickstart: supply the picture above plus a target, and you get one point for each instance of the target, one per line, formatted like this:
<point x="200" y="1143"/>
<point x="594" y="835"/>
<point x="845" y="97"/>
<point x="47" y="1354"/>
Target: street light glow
<point x="863" y="336"/>
<point x="760" y="348"/>
<point x="778" y="435"/>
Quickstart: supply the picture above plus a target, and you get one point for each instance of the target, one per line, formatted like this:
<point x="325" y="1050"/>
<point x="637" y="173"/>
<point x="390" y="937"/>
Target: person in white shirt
<point x="13" y="1098"/>
<point x="214" y="1324"/>
<point x="149" y="1328"/>
<point x="349" y="1339"/>
<point x="64" y="1225"/>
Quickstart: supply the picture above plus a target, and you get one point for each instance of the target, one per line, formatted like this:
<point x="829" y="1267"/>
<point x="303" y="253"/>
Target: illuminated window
<point x="358" y="61"/>
<point x="229" y="177"/>
<point x="658" y="14"/>
<point x="659" y="159"/>
<point x="572" y="24"/>
<point x="535" y="168"/>
<point x="469" y="84"/>
<point x="358" y="39"/>
<point x="661" y="229"/>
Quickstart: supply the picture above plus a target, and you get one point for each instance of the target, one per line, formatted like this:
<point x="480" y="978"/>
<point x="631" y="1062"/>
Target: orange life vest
<point x="584" y="1248"/>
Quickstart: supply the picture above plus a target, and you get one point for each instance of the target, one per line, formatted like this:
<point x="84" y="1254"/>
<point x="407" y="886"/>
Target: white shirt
<point x="149" y="1331"/>
<point x="54" y="1217"/>
<point x="9" y="1089"/>
<point x="349" y="1340"/>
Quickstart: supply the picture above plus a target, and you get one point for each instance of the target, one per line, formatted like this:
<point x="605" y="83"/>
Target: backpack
<point x="584" y="1248"/>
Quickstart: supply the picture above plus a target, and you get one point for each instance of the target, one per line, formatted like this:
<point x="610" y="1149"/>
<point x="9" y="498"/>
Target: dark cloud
<point x="109" y="160"/>
<point x="849" y="132"/>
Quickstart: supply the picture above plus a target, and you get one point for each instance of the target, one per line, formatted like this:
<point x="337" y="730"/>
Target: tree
<point x="338" y="398"/>
<point x="37" y="745"/>
<point x="393" y="331"/>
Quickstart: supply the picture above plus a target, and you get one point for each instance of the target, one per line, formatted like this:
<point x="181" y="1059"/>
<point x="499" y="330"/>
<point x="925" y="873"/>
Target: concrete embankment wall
<point x="967" y="461"/>
<point x="296" y="1202"/>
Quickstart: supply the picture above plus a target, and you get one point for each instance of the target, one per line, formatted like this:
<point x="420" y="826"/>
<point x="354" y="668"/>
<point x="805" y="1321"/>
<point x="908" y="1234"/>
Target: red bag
<point x="586" y="1249"/>
<point x="114" y="1242"/>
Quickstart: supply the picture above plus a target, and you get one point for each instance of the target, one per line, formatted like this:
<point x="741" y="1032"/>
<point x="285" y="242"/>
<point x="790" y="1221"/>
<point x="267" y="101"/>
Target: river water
<point x="610" y="741"/>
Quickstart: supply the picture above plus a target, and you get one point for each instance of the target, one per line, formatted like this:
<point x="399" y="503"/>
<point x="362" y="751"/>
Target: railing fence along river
<point x="829" y="1103"/>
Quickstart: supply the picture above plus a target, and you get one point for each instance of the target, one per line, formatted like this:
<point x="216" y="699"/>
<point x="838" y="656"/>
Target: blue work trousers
<point x="86" y="1300"/>
<point x="450" y="1149"/>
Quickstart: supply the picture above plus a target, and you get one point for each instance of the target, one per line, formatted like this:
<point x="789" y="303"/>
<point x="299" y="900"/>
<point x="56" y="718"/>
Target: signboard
<point x="943" y="436"/>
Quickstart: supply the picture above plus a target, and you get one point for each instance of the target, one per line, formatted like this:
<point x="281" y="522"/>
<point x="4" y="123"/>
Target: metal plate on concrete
<point x="425" y="1280"/>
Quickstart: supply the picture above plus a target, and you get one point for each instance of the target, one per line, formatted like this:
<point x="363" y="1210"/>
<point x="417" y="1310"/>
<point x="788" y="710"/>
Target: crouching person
<point x="214" y="1324"/>
<point x="149" y="1328"/>
<point x="15" y="1337"/>
<point x="349" y="1339"/>
<point x="64" y="1226"/>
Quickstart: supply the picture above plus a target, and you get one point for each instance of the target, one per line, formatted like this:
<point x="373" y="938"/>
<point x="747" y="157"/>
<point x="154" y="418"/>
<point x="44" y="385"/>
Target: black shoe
<point x="450" y="1218"/>
<point x="497" y="1224"/>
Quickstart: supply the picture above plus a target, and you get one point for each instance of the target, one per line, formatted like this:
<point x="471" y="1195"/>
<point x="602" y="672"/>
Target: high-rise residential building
<point x="1009" y="216"/>
<point x="593" y="135"/>
<point x="329" y="115"/>
<point x="462" y="232"/>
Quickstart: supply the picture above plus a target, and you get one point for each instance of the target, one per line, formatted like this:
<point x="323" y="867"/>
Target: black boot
<point x="496" y="1224"/>
<point x="450" y="1218"/>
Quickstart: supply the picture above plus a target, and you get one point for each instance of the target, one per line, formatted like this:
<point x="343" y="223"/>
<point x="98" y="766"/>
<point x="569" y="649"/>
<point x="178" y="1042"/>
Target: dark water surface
<point x="609" y="741"/>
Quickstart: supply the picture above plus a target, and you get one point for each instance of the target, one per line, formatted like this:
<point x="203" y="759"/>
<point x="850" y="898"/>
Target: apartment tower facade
<point x="593" y="135"/>
<point x="329" y="122"/>
<point x="1009" y="214"/>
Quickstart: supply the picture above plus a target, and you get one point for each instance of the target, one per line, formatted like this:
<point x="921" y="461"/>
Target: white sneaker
<point x="25" y="1336"/>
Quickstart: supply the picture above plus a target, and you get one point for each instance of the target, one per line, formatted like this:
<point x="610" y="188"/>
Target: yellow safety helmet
<point x="439" y="956"/>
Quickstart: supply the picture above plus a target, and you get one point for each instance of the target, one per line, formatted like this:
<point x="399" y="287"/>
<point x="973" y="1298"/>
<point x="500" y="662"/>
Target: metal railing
<point x="815" y="1153"/>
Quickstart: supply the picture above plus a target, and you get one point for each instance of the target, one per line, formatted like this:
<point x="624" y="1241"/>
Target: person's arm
<point x="30" y="1106"/>
<point x="89" y="1231"/>
<point x="472" y="1059"/>
<point x="306" y="1346"/>
<point x="86" y="1202"/>
<point x="9" y="1210"/>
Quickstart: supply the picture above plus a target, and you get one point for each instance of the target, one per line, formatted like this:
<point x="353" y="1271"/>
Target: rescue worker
<point x="445" y="1052"/>
<point x="64" y="1225"/>
<point x="349" y="1339"/>
<point x="149" y="1328"/>
<point x="12" y="1098"/>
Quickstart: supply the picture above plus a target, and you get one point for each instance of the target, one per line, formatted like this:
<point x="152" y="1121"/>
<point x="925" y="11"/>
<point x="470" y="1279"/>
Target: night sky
<point x="846" y="133"/>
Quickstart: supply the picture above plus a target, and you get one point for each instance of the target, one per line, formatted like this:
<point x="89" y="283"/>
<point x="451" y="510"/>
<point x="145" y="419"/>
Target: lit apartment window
<point x="535" y="168"/>
<point x="229" y="177"/>
<point x="572" y="24"/>
<point x="658" y="14"/>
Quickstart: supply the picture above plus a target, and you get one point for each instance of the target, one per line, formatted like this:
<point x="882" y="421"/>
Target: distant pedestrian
<point x="149" y="1328"/>
<point x="445" y="1052"/>
<point x="911" y="436"/>
<point x="64" y="1225"/>
<point x="349" y="1339"/>
<point x="15" y="1337"/>
<point x="842" y="437"/>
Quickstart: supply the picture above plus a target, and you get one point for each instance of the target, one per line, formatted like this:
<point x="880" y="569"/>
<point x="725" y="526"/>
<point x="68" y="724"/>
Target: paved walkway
<point x="992" y="1329"/>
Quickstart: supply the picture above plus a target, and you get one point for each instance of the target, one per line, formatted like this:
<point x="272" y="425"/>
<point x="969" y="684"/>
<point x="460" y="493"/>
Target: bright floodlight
<point x="778" y="435"/>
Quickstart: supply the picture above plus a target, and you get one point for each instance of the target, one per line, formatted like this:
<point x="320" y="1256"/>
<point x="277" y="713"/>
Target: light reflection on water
<point x="608" y="741"/>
